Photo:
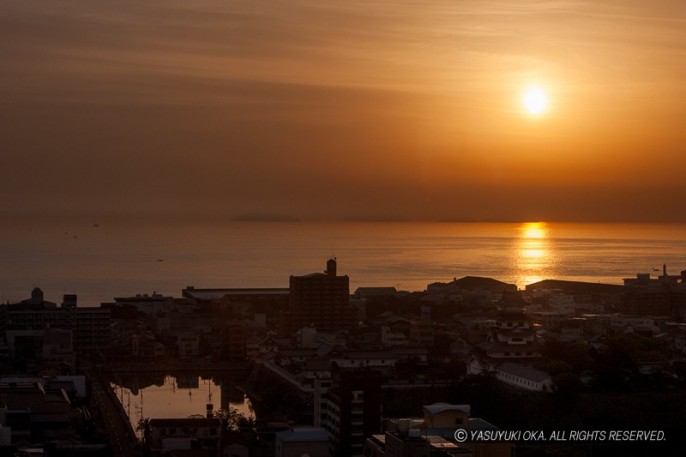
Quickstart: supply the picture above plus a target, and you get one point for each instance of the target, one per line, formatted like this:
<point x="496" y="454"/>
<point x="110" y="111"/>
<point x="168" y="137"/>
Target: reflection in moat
<point x="146" y="395"/>
<point x="535" y="259"/>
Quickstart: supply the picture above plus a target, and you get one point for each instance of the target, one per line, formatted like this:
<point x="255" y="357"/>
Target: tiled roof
<point x="523" y="371"/>
<point x="437" y="408"/>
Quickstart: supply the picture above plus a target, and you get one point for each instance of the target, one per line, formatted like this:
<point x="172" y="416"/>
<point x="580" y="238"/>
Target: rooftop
<point x="218" y="294"/>
<point x="576" y="287"/>
<point x="438" y="408"/>
<point x="478" y="282"/>
<point x="522" y="371"/>
<point x="305" y="434"/>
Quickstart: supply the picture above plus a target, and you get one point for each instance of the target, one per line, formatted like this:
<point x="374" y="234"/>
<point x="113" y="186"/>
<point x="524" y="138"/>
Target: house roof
<point x="438" y="408"/>
<point x="311" y="275"/>
<point x="355" y="354"/>
<point x="513" y="348"/>
<point x="409" y="350"/>
<point x="576" y="287"/>
<point x="512" y="313"/>
<point x="477" y="423"/>
<point x="522" y="371"/>
<point x="514" y="331"/>
<point x="324" y="350"/>
<point x="318" y="364"/>
<point x="304" y="435"/>
<point x="218" y="294"/>
<point x="297" y="352"/>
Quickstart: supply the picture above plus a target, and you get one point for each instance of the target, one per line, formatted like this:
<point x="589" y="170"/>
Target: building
<point x="513" y="336"/>
<point x="351" y="409"/>
<point x="412" y="443"/>
<point x="232" y="343"/>
<point x="148" y="304"/>
<point x="203" y="434"/>
<point x="524" y="377"/>
<point x="209" y="296"/>
<point x="664" y="295"/>
<point x="90" y="327"/>
<point x="321" y="300"/>
<point x="474" y="289"/>
<point x="433" y="435"/>
<point x="472" y="283"/>
<point x="188" y="344"/>
<point x="29" y="410"/>
<point x="422" y="331"/>
<point x="297" y="442"/>
<point x="34" y="313"/>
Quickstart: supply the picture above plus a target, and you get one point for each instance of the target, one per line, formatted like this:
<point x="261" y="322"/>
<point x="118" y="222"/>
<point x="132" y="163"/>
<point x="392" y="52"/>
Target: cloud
<point x="332" y="108"/>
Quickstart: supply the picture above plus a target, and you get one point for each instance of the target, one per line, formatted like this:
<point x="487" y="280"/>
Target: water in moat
<point x="158" y="395"/>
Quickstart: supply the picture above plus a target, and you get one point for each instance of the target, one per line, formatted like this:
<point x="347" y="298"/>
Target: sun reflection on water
<point x="534" y="230"/>
<point x="534" y="254"/>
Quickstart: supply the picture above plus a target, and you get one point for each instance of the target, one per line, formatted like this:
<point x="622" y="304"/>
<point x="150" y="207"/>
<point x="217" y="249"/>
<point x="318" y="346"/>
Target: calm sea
<point x="101" y="262"/>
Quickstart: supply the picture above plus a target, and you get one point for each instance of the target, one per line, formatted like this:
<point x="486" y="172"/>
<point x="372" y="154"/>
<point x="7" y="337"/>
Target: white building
<point x="524" y="377"/>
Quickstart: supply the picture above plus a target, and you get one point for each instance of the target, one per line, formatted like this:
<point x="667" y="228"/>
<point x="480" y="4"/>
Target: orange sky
<point x="344" y="109"/>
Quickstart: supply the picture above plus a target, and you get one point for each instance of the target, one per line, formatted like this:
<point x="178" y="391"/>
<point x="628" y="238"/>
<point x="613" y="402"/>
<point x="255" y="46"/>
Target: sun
<point x="535" y="100"/>
<point x="534" y="230"/>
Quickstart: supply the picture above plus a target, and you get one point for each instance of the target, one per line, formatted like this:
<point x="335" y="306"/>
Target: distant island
<point x="258" y="217"/>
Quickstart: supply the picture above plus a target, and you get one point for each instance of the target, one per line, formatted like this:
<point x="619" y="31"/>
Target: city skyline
<point x="340" y="110"/>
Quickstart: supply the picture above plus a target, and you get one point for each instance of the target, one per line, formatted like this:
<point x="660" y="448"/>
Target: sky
<point x="322" y="109"/>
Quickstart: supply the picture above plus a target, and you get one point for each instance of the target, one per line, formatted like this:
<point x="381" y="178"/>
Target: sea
<point x="99" y="261"/>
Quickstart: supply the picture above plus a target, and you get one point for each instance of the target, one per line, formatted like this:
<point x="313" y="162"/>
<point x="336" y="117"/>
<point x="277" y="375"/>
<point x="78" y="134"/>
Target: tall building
<point x="321" y="300"/>
<point x="662" y="296"/>
<point x="351" y="409"/>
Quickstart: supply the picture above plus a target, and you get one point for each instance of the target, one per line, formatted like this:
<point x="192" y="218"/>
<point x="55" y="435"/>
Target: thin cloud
<point x="378" y="108"/>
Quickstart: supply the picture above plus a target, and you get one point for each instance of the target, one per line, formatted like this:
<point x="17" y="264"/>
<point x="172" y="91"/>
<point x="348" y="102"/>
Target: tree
<point x="233" y="420"/>
<point x="246" y="422"/>
<point x="144" y="426"/>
